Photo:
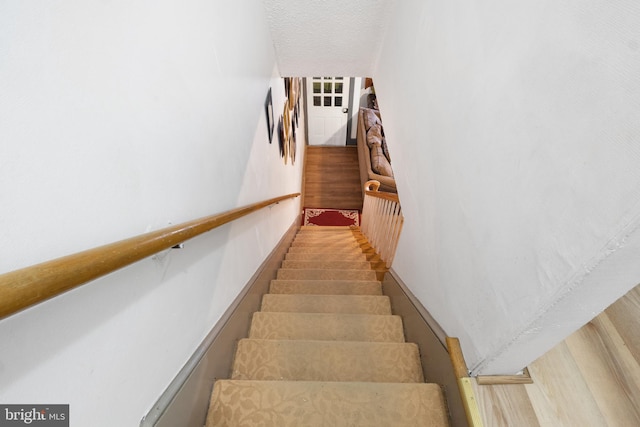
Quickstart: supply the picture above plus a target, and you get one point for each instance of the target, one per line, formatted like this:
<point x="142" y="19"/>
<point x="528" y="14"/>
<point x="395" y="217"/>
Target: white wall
<point x="118" y="118"/>
<point x="514" y="128"/>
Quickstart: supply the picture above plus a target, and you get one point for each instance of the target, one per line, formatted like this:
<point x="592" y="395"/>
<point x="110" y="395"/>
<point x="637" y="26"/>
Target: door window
<point x="328" y="91"/>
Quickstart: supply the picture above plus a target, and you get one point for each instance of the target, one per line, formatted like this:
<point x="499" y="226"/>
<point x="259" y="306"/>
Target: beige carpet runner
<point x="325" y="349"/>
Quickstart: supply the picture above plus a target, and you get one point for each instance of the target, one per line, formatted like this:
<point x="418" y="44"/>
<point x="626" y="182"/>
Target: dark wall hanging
<point x="268" y="106"/>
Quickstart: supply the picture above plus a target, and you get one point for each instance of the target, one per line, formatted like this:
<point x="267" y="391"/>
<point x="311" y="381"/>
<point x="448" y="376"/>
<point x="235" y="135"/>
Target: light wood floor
<point x="590" y="379"/>
<point x="332" y="178"/>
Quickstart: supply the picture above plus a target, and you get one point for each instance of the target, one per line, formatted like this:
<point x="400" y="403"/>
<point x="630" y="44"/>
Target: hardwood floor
<point x="590" y="379"/>
<point x="332" y="178"/>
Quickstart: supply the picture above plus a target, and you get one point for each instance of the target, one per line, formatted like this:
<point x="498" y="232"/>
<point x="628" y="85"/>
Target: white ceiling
<point x="327" y="37"/>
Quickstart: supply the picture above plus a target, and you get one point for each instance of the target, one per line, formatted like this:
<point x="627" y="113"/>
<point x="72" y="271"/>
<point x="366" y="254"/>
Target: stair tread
<point x="335" y="235"/>
<point x="303" y="256"/>
<point x="325" y="250"/>
<point x="325" y="274"/>
<point x="323" y="264"/>
<point x="327" y="326"/>
<point x="308" y="360"/>
<point x="331" y="244"/>
<point x="336" y="238"/>
<point x="326" y="287"/>
<point x="312" y="403"/>
<point x="354" y="304"/>
<point x="327" y="228"/>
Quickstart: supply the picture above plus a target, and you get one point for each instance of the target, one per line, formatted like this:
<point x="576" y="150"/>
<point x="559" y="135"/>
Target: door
<point x="328" y="102"/>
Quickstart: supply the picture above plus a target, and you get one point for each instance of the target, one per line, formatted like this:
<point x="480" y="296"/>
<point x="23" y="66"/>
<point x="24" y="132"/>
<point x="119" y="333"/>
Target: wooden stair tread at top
<point x="324" y="249"/>
<point x="343" y="235"/>
<point x="354" y="304"/>
<point x="305" y="360"/>
<point x="326" y="326"/>
<point x="326" y="287"/>
<point x="323" y="274"/>
<point x="326" y="240"/>
<point x="331" y="265"/>
<point x="333" y="244"/>
<point x="310" y="256"/>
<point x="314" y="404"/>
<point x="326" y="231"/>
<point x="326" y="228"/>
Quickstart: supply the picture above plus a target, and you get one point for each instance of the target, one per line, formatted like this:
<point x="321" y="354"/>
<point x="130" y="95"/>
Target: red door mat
<point x="319" y="216"/>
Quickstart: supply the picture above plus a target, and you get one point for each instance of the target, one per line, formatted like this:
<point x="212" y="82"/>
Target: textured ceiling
<point x="327" y="37"/>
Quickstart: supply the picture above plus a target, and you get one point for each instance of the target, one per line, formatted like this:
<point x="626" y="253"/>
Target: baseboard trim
<point x="523" y="378"/>
<point x="421" y="328"/>
<point x="186" y="400"/>
<point x="424" y="313"/>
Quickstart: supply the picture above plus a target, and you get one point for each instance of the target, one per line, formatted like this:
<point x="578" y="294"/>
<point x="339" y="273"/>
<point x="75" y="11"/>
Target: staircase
<point x="325" y="349"/>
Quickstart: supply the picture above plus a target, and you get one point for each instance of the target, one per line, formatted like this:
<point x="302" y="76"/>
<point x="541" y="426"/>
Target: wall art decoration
<point x="292" y="145"/>
<point x="268" y="106"/>
<point x="281" y="136"/>
<point x="293" y="92"/>
<point x="287" y="86"/>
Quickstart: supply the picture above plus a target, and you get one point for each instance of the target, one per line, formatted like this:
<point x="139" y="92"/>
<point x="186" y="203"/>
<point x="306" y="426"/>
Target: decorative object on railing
<point x="381" y="221"/>
<point x="28" y="286"/>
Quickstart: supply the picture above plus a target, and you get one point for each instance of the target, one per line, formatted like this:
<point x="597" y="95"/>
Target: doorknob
<point x="345" y="110"/>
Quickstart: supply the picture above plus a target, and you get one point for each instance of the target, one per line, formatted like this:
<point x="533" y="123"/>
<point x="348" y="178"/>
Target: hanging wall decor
<point x="281" y="136"/>
<point x="268" y="106"/>
<point x="292" y="146"/>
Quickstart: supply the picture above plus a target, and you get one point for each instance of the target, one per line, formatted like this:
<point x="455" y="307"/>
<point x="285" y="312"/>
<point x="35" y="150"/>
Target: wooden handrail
<point x="28" y="286"/>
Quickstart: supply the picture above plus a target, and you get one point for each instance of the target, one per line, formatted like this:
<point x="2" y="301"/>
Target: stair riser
<point x="327" y="361"/>
<point x="324" y="287"/>
<point x="315" y="404"/>
<point x="299" y="274"/>
<point x="326" y="257"/>
<point x="326" y="327"/>
<point x="326" y="236"/>
<point x="327" y="265"/>
<point x="363" y="304"/>
<point x="324" y="250"/>
<point x="352" y="244"/>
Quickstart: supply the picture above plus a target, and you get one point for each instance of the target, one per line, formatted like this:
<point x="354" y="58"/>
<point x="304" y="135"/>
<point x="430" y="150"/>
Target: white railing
<point x="381" y="221"/>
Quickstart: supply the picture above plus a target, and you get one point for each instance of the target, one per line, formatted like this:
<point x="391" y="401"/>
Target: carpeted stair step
<point x="353" y="304"/>
<point x="326" y="287"/>
<point x="328" y="239"/>
<point x="324" y="249"/>
<point x="313" y="243"/>
<point x="326" y="327"/>
<point x="312" y="256"/>
<point x="300" y="360"/>
<point x="336" y="404"/>
<point x="328" y="265"/>
<point x="320" y="274"/>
